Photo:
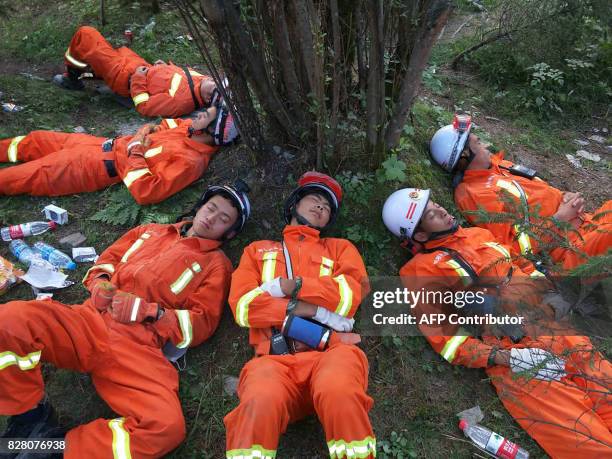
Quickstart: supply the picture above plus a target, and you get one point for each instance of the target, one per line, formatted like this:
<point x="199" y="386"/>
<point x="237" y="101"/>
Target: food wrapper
<point x="8" y="275"/>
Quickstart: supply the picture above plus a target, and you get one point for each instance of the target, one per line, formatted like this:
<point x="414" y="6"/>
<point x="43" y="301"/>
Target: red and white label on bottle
<point x="501" y="447"/>
<point x="16" y="232"/>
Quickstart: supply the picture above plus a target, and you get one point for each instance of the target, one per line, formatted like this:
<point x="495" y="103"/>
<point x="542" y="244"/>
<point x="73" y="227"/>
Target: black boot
<point x="69" y="80"/>
<point x="38" y="423"/>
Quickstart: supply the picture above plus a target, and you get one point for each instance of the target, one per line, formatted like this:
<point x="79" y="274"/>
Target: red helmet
<point x="315" y="182"/>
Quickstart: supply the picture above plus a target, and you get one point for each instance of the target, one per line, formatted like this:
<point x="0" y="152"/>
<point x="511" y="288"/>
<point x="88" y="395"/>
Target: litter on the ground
<point x="11" y="108"/>
<point x="42" y="276"/>
<point x="84" y="254"/>
<point x="582" y="143"/>
<point x="472" y="415"/>
<point x="597" y="138"/>
<point x="590" y="156"/>
<point x="56" y="214"/>
<point x="573" y="161"/>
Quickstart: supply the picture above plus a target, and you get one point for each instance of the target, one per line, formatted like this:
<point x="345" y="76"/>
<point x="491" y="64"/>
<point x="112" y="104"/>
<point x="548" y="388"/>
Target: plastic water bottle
<point x="26" y="229"/>
<point x="22" y="251"/>
<point x="54" y="256"/>
<point x="491" y="442"/>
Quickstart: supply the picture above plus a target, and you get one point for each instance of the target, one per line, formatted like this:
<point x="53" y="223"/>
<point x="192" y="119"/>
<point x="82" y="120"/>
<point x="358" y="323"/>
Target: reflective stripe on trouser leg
<point x="121" y="439"/>
<point x="354" y="449"/>
<point x="254" y="452"/>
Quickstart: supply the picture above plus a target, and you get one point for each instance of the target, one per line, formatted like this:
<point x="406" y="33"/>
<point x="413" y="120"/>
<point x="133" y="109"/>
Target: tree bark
<point x="375" y="98"/>
<point x="436" y="17"/>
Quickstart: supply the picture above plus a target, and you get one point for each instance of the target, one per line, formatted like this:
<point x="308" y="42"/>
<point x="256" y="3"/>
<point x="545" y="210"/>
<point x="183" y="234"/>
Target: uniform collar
<point x="444" y="241"/>
<point x="204" y="245"/>
<point x="496" y="159"/>
<point x="300" y="233"/>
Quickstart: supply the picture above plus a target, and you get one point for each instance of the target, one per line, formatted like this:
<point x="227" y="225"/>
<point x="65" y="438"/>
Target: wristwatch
<point x="293" y="302"/>
<point x="491" y="359"/>
<point x="298" y="286"/>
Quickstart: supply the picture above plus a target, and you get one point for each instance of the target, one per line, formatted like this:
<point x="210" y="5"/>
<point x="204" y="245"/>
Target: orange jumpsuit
<point x="275" y="390"/>
<point x="163" y="91"/>
<point x="188" y="276"/>
<point x="568" y="418"/>
<point x="58" y="163"/>
<point x="481" y="188"/>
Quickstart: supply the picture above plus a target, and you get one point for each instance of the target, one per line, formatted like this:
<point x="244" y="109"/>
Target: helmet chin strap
<point x="302" y="221"/>
<point x="439" y="234"/>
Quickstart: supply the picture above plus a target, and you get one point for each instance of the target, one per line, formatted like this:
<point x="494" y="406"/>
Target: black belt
<point x="196" y="104"/>
<point x="107" y="146"/>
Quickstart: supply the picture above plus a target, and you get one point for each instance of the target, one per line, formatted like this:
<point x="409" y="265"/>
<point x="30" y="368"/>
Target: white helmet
<point x="448" y="142"/>
<point x="403" y="211"/>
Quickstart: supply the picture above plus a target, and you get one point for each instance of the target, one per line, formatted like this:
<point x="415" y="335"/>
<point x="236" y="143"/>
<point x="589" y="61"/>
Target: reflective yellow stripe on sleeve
<point x="26" y="362"/>
<point x="140" y="98"/>
<point x="184" y="320"/>
<point x="242" y="308"/>
<point x="135" y="246"/>
<point x="134" y="175"/>
<point x="269" y="266"/>
<point x="121" y="439"/>
<point x="183" y="280"/>
<point x="346" y="296"/>
<point x="500" y="248"/>
<point x="153" y="152"/>
<point x="74" y="61"/>
<point x="12" y="149"/>
<point x="326" y="267"/>
<point x="462" y="273"/>
<point x="171" y="123"/>
<point x="450" y="348"/>
<point x="537" y="273"/>
<point x="175" y="83"/>
<point x="339" y="449"/>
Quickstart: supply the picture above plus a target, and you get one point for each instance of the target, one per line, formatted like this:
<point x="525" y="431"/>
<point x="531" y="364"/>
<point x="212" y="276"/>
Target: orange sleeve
<point x="450" y="341"/>
<point x="111" y="257"/>
<point x="342" y="291"/>
<point x="251" y="306"/>
<point x="172" y="123"/>
<point x="200" y="314"/>
<point x="148" y="187"/>
<point x="161" y="104"/>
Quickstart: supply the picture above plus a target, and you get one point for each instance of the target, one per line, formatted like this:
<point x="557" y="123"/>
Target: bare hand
<point x="502" y="358"/>
<point x="142" y="70"/>
<point x="304" y="309"/>
<point x="570" y="209"/>
<point x="287" y="286"/>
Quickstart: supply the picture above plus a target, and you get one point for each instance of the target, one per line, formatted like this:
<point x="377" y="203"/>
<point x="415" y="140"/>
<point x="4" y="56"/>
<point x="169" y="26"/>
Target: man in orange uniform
<point x="565" y="400"/>
<point x="318" y="278"/>
<point x="155" y="163"/>
<point x="155" y="292"/>
<point x="488" y="178"/>
<point x="156" y="90"/>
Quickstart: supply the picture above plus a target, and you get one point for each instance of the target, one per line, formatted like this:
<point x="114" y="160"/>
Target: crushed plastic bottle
<point x="23" y="252"/>
<point x="492" y="442"/>
<point x="11" y="108"/>
<point x="54" y="256"/>
<point x="26" y="229"/>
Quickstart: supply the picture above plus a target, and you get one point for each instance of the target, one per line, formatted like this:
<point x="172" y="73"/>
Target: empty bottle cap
<point x="463" y="424"/>
<point x="72" y="266"/>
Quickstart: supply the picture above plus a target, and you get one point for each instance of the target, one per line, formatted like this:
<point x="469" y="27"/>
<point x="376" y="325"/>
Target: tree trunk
<point x="375" y="98"/>
<point x="436" y="17"/>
